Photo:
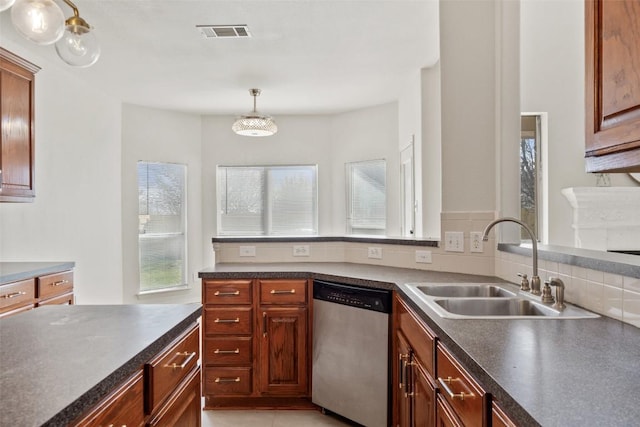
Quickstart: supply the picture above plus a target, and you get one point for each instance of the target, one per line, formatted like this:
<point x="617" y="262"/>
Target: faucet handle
<point x="559" y="285"/>
<point x="547" y="298"/>
<point x="524" y="283"/>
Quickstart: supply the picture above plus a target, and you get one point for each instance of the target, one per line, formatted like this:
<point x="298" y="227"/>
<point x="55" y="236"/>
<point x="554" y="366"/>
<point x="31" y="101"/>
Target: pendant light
<point x="254" y="123"/>
<point x="78" y="46"/>
<point x="40" y="21"/>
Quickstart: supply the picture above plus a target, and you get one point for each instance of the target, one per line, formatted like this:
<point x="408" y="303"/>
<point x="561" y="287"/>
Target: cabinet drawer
<point x="228" y="321"/>
<point x="12" y="311"/>
<point x="183" y="408"/>
<point x="55" y="284"/>
<point x="227" y="351"/>
<point x="66" y="299"/>
<point x="234" y="292"/>
<point x="283" y="291"/>
<point x="16" y="294"/>
<point x="460" y="390"/>
<point x="227" y="381"/>
<point x="499" y="418"/>
<point x="420" y="338"/>
<point x="166" y="371"/>
<point x="125" y="406"/>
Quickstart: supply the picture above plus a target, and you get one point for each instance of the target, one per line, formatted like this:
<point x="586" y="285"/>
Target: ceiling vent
<point x="224" y="31"/>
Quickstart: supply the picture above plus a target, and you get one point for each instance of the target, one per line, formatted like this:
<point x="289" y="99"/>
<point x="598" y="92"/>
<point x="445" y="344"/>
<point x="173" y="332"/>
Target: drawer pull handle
<point x="445" y="385"/>
<point x="279" y="291"/>
<point x="60" y="283"/>
<point x="14" y="294"/>
<point x="218" y="351"/>
<point x="185" y="362"/>
<point x="228" y="380"/>
<point x="218" y="320"/>
<point x="226" y="294"/>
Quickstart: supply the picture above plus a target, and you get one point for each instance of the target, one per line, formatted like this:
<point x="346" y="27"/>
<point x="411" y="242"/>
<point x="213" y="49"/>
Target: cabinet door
<point x="402" y="387"/>
<point x="424" y="398"/>
<point x="17" y="152"/>
<point x="183" y="409"/>
<point x="612" y="85"/>
<point x="283" y="354"/>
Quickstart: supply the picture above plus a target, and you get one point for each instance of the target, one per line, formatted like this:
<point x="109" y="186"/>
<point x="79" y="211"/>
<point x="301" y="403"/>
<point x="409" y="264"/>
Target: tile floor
<point x="271" y="418"/>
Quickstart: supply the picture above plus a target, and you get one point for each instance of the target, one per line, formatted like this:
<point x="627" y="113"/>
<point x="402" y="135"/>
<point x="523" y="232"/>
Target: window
<point x="530" y="175"/>
<point x="366" y="197"/>
<point x="162" y="225"/>
<point x="267" y="200"/>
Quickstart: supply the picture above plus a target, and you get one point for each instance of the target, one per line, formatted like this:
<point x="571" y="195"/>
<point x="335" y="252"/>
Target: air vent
<point x="224" y="31"/>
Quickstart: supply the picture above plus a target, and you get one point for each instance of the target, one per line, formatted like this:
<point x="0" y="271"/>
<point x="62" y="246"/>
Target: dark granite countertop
<point x="564" y="372"/>
<point x="15" y="271"/>
<point x="56" y="362"/>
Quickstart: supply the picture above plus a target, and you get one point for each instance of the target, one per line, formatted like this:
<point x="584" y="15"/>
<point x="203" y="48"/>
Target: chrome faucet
<point x="535" y="279"/>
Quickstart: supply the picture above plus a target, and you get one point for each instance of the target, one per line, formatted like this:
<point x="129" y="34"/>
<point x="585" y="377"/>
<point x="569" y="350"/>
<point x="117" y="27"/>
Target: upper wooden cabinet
<point x="612" y="85"/>
<point x="17" y="145"/>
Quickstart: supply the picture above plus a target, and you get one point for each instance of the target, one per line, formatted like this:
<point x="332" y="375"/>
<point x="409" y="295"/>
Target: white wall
<point x="467" y="61"/>
<point x="76" y="212"/>
<point x="160" y="136"/>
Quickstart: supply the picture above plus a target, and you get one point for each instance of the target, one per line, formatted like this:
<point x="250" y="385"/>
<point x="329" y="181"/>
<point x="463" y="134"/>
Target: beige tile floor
<point x="271" y="418"/>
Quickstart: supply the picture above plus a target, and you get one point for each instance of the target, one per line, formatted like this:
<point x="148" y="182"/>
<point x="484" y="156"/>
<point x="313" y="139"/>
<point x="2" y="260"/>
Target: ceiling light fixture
<point x="254" y="123"/>
<point x="42" y="22"/>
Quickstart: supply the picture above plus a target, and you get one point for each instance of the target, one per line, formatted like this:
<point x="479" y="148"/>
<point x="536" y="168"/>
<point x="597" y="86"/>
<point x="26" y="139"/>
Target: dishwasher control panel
<point x="354" y="296"/>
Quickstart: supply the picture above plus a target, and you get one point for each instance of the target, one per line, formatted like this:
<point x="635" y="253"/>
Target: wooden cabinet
<point x="124" y="406"/>
<point x="414" y="395"/>
<point x="256" y="343"/>
<point x="164" y="392"/>
<point x="17" y="140"/>
<point x="612" y="41"/>
<point x="499" y="418"/>
<point x="23" y="295"/>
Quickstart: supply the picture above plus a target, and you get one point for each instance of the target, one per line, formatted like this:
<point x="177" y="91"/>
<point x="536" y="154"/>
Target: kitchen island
<point x="565" y="372"/>
<point x="58" y="362"/>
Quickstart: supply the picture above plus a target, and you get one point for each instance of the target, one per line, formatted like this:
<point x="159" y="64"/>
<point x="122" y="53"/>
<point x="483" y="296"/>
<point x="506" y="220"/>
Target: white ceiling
<point x="307" y="56"/>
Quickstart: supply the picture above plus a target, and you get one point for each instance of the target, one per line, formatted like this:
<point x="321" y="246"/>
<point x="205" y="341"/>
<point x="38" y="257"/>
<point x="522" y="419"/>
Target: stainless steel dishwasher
<point x="351" y="352"/>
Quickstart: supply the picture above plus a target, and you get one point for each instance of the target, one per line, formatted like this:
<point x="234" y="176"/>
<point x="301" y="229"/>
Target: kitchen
<point x="88" y="143"/>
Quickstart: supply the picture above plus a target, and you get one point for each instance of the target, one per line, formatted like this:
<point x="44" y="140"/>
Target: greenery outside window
<point x="366" y="197"/>
<point x="267" y="200"/>
<point x="162" y="225"/>
<point x="530" y="174"/>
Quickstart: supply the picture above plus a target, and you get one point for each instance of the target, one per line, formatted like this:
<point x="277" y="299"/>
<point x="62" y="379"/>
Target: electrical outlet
<point x="301" y="250"/>
<point x="423" y="257"/>
<point x="454" y="241"/>
<point x="375" y="252"/>
<point x="247" y="251"/>
<point x="475" y="241"/>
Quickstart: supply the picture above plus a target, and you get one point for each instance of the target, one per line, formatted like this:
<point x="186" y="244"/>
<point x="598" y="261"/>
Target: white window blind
<point x="267" y="200"/>
<point x="366" y="197"/>
<point x="161" y="225"/>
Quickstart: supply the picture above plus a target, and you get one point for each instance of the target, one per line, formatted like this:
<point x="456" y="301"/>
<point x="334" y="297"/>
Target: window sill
<point x="142" y="294"/>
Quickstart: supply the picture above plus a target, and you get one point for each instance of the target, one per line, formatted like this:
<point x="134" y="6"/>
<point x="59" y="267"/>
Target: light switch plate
<point x="247" y="251"/>
<point x="301" y="250"/>
<point x="374" y="252"/>
<point x="423" y="257"/>
<point x="454" y="241"/>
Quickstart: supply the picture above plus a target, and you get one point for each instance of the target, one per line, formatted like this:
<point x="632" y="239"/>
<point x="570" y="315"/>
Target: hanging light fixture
<point x="42" y="22"/>
<point x="78" y="46"/>
<point x="254" y="123"/>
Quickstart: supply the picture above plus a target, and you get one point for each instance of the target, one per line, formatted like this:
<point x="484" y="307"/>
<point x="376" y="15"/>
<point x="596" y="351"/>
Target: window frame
<point x="266" y="201"/>
<point x="350" y="229"/>
<point x="168" y="235"/>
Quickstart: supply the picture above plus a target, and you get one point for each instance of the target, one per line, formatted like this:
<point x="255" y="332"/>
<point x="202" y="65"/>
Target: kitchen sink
<point x="465" y="290"/>
<point x="486" y="301"/>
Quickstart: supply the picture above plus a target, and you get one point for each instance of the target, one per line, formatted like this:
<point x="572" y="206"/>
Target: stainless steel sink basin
<point x="486" y="301"/>
<point x="465" y="290"/>
<point x="495" y="307"/>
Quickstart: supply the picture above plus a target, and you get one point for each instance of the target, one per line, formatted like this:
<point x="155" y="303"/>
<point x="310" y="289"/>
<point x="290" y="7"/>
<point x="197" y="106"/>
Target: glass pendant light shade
<point x="40" y="21"/>
<point x="254" y="123"/>
<point x="78" y="46"/>
<point x="6" y="4"/>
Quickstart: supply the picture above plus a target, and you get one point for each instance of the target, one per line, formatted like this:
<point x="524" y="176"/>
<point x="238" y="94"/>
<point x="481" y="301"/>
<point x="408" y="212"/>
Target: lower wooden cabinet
<point x="256" y="343"/>
<point x="24" y="295"/>
<point x="445" y="416"/>
<point x="164" y="392"/>
<point x="499" y="418"/>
